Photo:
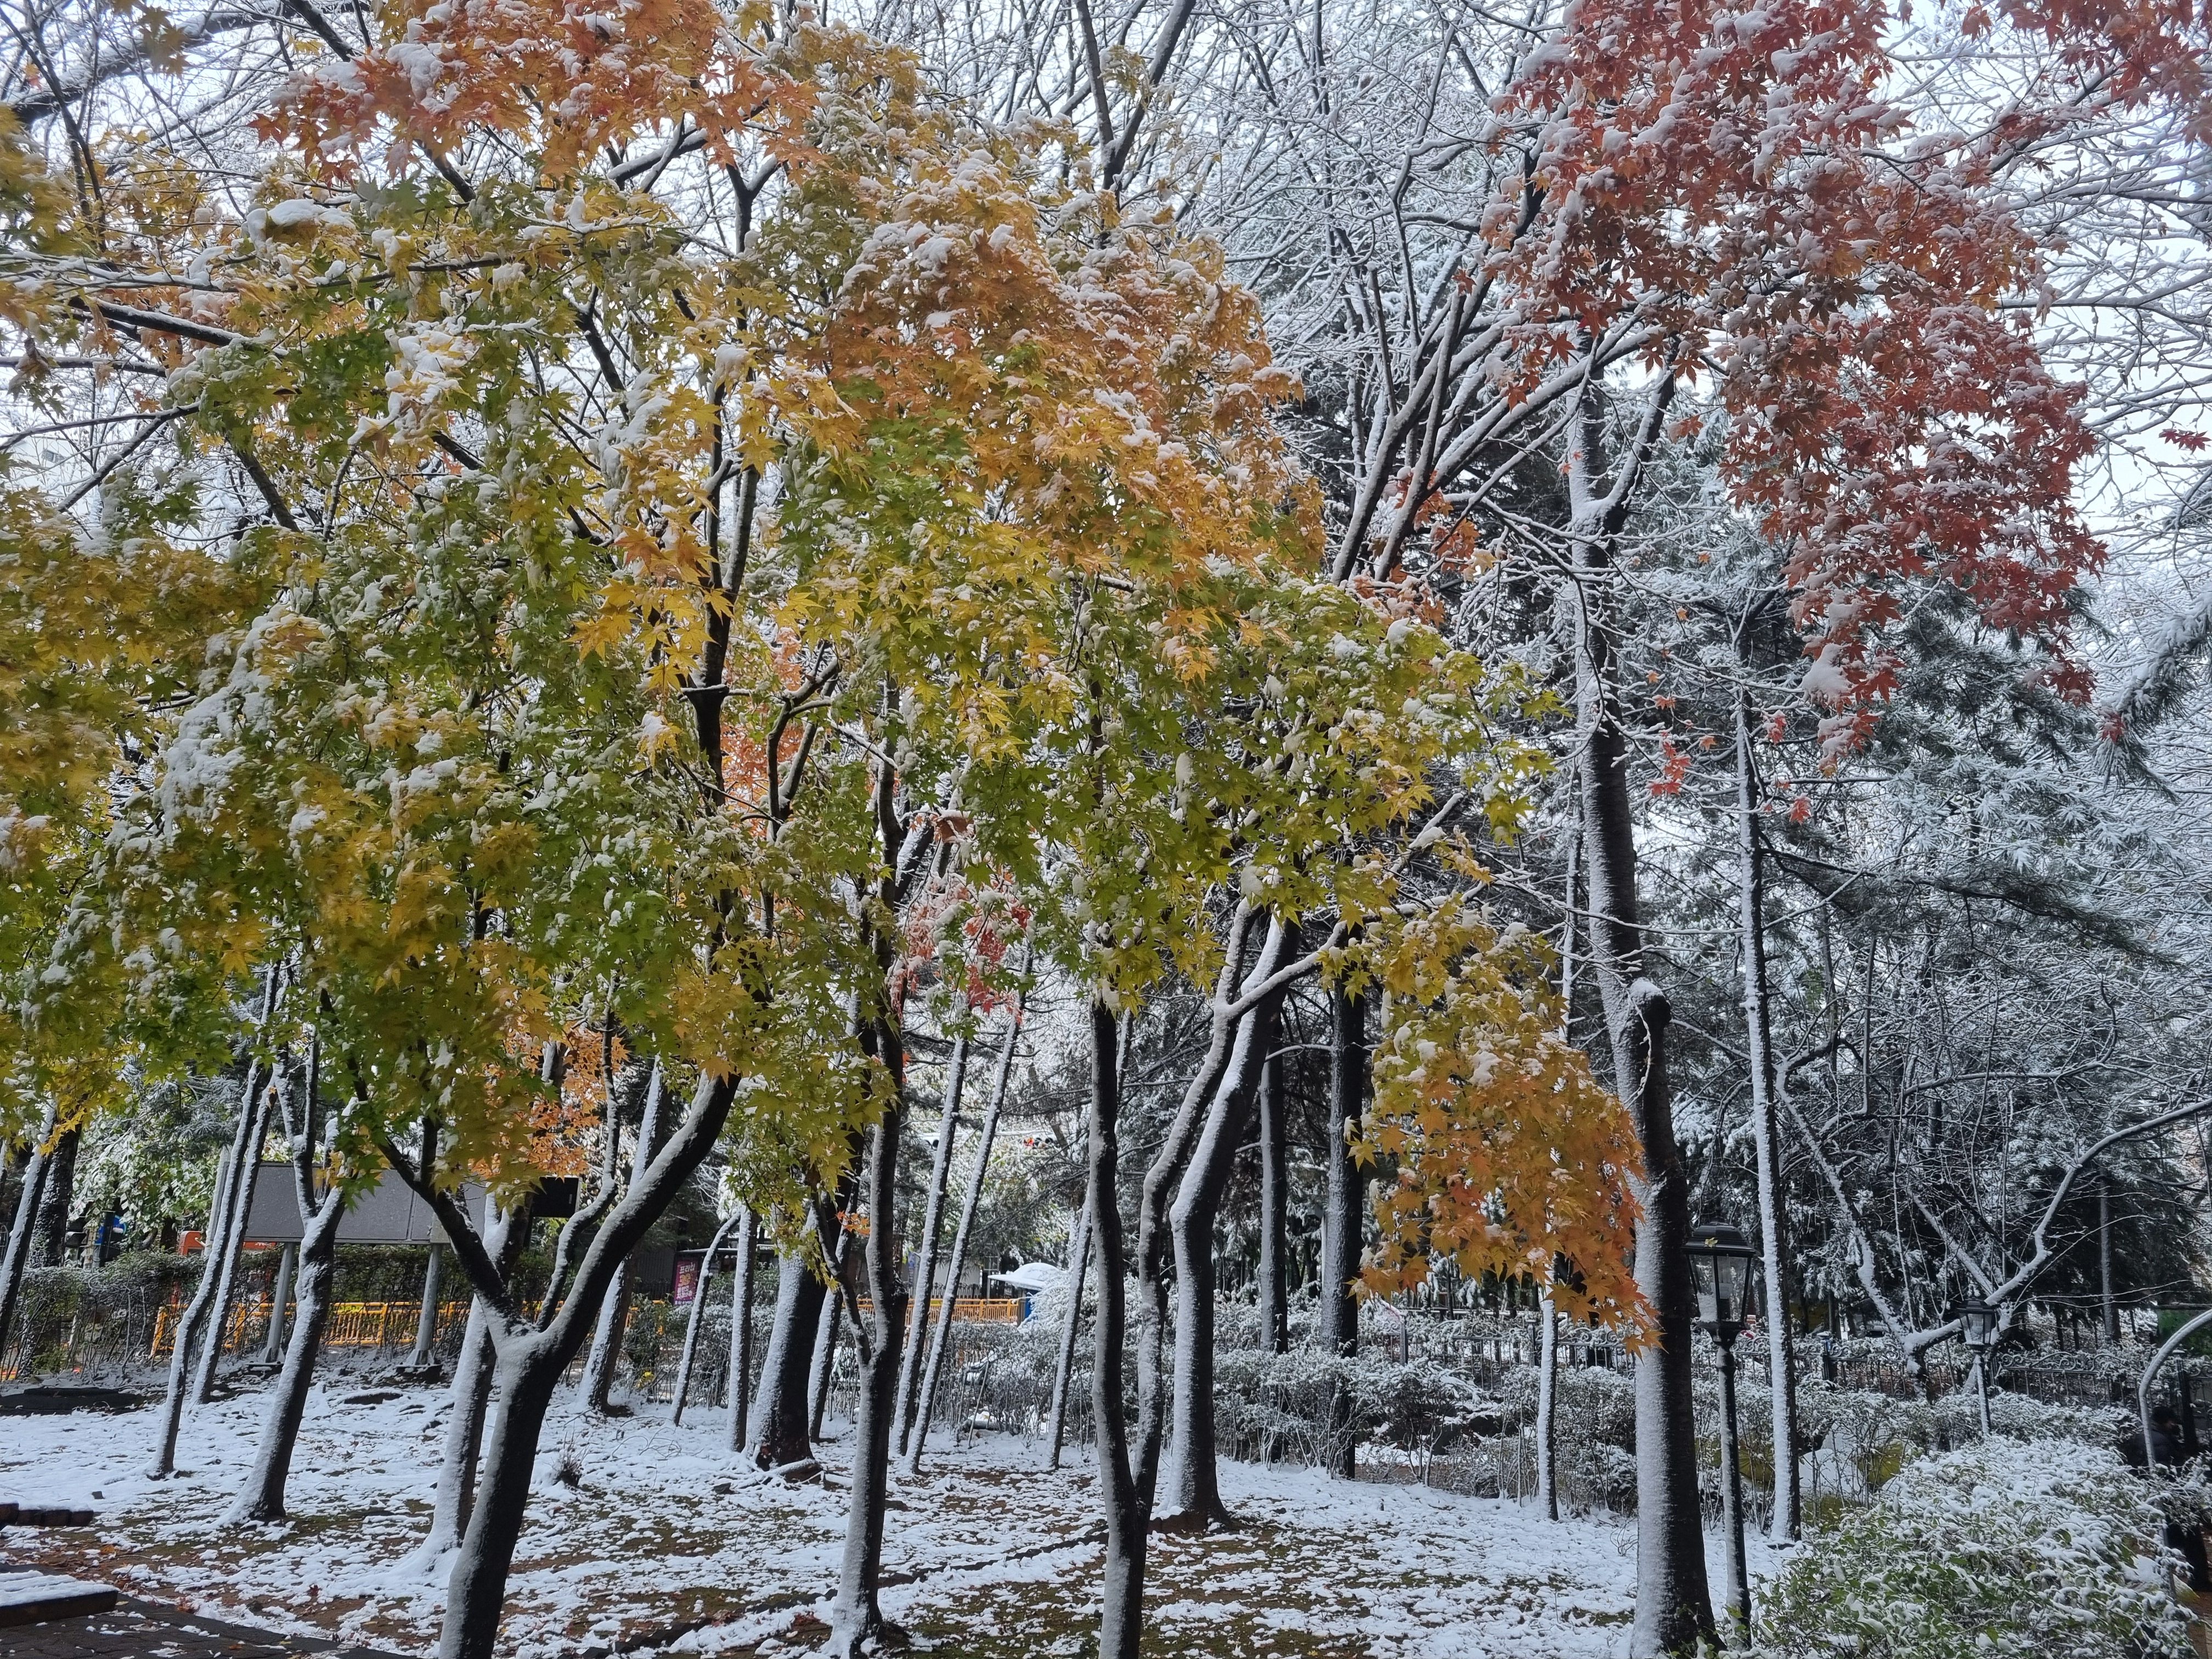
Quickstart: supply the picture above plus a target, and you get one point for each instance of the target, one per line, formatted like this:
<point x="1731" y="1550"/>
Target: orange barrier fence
<point x="352" y="1324"/>
<point x="979" y="1310"/>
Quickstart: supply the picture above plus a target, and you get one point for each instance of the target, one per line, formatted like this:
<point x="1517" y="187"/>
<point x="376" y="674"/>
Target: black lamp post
<point x="1977" y="1329"/>
<point x="1720" y="1271"/>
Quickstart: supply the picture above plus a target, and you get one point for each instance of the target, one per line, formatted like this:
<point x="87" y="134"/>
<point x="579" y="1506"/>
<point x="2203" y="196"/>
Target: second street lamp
<point x="1720" y="1272"/>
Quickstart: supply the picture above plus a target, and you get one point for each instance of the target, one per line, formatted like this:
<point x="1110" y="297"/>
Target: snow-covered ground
<point x="666" y="1544"/>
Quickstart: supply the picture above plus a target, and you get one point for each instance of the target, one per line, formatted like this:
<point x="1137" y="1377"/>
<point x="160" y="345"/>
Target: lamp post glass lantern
<point x="1720" y="1273"/>
<point x="1977" y="1329"/>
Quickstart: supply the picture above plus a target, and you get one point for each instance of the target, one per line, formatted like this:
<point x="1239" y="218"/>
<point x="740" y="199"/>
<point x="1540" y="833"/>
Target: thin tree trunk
<point x="598" y="1382"/>
<point x="280" y="1297"/>
<point x="230" y="1245"/>
<point x="1274" y="1211"/>
<point x="691" y="1325"/>
<point x="505" y="1234"/>
<point x="193" y="1319"/>
<point x="940" y="1336"/>
<point x="426" y="1322"/>
<point x="1781" y="1362"/>
<point x="821" y="1365"/>
<point x="56" y="1197"/>
<point x="1079" y="1258"/>
<point x="1547" y="1401"/>
<point x="925" y="1262"/>
<point x="1121" y="1622"/>
<point x="263" y="1498"/>
<point x="1674" y="1602"/>
<point x="783" y="1409"/>
<point x="856" y="1618"/>
<point x="1346" y="1212"/>
<point x="741" y="1329"/>
<point x="2108" y="1304"/>
<point x="18" y="1261"/>
<point x="1155" y="1230"/>
<point x="1192" y="1491"/>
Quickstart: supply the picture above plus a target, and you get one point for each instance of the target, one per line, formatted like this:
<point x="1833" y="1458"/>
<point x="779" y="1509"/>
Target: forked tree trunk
<point x="227" y="1249"/>
<point x="925" y="1259"/>
<point x="1781" y="1362"/>
<point x="1121" y="1622"/>
<point x="1674" y="1602"/>
<point x="1078" y="1262"/>
<point x="782" y="1410"/>
<point x="1191" y="1491"/>
<point x="1274" y="1211"/>
<point x="941" y="1333"/>
<point x="1345" y="1212"/>
<point x="741" y="1329"/>
<point x="193" y="1320"/>
<point x="1164" y="1175"/>
<point x="533" y="1357"/>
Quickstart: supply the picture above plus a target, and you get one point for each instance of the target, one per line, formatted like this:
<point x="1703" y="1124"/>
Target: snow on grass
<point x="668" y="1544"/>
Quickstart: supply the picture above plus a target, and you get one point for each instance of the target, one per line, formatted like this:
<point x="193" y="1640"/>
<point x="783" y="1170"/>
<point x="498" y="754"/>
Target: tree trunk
<point x="57" y="1197"/>
<point x="1078" y="1261"/>
<point x="426" y="1322"/>
<point x="505" y="1234"/>
<point x="1344" y="1218"/>
<point x="2108" y="1305"/>
<point x="280" y="1297"/>
<point x="1192" y="1492"/>
<point x="1673" y="1604"/>
<point x="193" y="1320"/>
<point x="940" y="1336"/>
<point x="533" y="1357"/>
<point x="691" y="1325"/>
<point x="1155" y="1232"/>
<point x="924" y="1261"/>
<point x="18" y="1261"/>
<point x="1274" y="1211"/>
<point x="263" y="1498"/>
<point x="1121" y="1615"/>
<point x="598" y="1382"/>
<point x="783" y="1407"/>
<point x="476" y="1592"/>
<point x="1781" y="1362"/>
<point x="231" y="1246"/>
<point x="821" y="1364"/>
<point x="1547" y="1401"/>
<point x="856" y="1618"/>
<point x="741" y="1329"/>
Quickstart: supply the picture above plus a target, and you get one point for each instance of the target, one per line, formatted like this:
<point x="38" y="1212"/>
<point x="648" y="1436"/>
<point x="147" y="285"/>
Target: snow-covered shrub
<point x="1860" y="1440"/>
<point x="2046" y="1547"/>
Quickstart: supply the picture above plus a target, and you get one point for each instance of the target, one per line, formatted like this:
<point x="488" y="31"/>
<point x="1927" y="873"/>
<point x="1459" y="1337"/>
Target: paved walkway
<point x="140" y="1630"/>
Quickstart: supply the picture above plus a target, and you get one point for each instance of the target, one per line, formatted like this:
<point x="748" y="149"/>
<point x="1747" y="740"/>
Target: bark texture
<point x="1674" y="1603"/>
<point x="263" y="1498"/>
<point x="1121" y="1621"/>
<point x="741" y="1330"/>
<point x="782" y="1407"/>
<point x="1275" y="1210"/>
<point x="1781" y="1361"/>
<point x="1345" y="1199"/>
<point x="1191" y="1490"/>
<point x="940" y="1336"/>
<point x="924" y="1259"/>
<point x="57" y="1197"/>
